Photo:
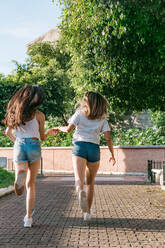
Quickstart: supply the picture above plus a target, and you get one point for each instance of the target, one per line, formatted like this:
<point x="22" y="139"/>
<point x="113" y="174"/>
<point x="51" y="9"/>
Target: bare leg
<point x="30" y="186"/>
<point x="91" y="172"/>
<point x="79" y="165"/>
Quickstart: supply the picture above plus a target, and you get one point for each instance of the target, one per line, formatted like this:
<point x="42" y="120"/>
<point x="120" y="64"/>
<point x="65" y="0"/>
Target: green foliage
<point x="120" y="135"/>
<point x="46" y="66"/>
<point x="158" y="120"/>
<point x="7" y="88"/>
<point x="60" y="139"/>
<point x="6" y="178"/>
<point x="4" y="140"/>
<point x="117" y="48"/>
<point x="137" y="136"/>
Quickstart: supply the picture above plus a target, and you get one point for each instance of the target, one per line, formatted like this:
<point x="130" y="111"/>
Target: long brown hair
<point x="94" y="104"/>
<point x="23" y="105"/>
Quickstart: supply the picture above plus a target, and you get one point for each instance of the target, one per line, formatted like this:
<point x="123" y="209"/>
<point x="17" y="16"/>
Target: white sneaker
<point x="83" y="201"/>
<point x="28" y="222"/>
<point x="87" y="216"/>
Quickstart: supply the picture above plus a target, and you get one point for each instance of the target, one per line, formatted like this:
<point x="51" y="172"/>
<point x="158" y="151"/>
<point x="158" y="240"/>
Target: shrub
<point x="6" y="178"/>
<point x="121" y="136"/>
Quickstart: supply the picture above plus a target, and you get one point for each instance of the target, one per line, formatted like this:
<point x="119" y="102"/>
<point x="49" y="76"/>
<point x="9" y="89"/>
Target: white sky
<point x="22" y="21"/>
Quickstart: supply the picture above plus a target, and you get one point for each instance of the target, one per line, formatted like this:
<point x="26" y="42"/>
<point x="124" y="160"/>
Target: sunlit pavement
<point x="128" y="212"/>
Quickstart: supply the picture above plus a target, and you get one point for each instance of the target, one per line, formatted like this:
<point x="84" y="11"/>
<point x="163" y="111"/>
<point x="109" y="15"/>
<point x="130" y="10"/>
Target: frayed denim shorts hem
<point x="29" y="162"/>
<point x="27" y="150"/>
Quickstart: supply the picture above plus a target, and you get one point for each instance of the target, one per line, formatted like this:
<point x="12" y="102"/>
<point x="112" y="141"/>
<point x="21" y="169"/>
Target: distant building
<point x="51" y="36"/>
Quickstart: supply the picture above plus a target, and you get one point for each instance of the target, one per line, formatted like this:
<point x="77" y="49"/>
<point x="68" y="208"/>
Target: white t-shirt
<point x="88" y="130"/>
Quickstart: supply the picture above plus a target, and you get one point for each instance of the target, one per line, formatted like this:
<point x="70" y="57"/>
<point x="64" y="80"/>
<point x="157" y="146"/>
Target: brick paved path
<point x="125" y="215"/>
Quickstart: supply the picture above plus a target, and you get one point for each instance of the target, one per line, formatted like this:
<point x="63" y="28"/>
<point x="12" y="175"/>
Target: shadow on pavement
<point x="119" y="223"/>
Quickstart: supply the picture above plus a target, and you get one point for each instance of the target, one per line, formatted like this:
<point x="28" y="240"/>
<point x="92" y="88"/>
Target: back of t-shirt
<point x="88" y="130"/>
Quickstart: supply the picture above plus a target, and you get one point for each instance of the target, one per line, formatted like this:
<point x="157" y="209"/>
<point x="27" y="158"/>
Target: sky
<point x="22" y="21"/>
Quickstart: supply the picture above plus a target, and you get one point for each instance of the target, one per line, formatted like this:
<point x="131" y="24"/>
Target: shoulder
<point x="76" y="114"/>
<point x="105" y="125"/>
<point x="105" y="121"/>
<point x="80" y="113"/>
<point x="75" y="118"/>
<point x="40" y="116"/>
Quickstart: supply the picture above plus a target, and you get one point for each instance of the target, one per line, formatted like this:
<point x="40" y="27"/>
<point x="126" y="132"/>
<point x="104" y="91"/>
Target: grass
<point x="6" y="178"/>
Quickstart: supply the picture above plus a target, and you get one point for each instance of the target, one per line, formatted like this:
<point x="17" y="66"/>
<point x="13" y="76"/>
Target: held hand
<point x="112" y="159"/>
<point x="52" y="131"/>
<point x="56" y="129"/>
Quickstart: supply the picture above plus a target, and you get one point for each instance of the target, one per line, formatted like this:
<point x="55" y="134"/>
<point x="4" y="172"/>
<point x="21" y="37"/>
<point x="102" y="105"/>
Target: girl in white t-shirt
<point x="89" y="121"/>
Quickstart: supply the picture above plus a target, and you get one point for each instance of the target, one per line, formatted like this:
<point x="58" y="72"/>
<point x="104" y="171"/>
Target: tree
<point x="7" y="88"/>
<point x="117" y="48"/>
<point x="47" y="66"/>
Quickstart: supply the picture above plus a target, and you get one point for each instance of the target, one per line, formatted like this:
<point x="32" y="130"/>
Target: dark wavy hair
<point x="95" y="105"/>
<point x="23" y="105"/>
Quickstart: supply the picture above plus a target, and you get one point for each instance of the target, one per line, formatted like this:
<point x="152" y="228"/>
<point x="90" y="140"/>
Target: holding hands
<point x="52" y="131"/>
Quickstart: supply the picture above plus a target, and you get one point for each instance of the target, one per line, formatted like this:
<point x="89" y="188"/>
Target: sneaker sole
<point x="83" y="201"/>
<point x="19" y="183"/>
<point x="26" y="226"/>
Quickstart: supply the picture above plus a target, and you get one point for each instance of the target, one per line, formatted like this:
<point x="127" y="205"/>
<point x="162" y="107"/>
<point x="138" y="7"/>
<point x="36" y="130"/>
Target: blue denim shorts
<point x="89" y="151"/>
<point x="27" y="150"/>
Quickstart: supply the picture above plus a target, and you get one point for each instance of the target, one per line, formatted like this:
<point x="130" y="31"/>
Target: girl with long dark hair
<point x="23" y="117"/>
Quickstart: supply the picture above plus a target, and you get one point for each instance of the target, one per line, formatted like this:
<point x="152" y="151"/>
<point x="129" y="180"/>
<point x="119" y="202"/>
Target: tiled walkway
<point x="127" y="213"/>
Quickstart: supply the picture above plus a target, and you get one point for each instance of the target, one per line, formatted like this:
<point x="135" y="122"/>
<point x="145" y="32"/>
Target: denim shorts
<point x="89" y="151"/>
<point x="27" y="150"/>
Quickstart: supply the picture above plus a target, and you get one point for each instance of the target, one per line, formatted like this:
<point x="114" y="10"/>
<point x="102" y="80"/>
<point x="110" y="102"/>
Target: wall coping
<point x="120" y="147"/>
<point x="139" y="147"/>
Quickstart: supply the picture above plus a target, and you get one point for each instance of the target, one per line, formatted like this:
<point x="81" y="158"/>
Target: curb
<point x="6" y="191"/>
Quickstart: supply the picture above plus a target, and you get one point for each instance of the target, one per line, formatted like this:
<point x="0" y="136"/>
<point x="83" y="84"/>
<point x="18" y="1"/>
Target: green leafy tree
<point x="7" y="88"/>
<point x="117" y="48"/>
<point x="47" y="66"/>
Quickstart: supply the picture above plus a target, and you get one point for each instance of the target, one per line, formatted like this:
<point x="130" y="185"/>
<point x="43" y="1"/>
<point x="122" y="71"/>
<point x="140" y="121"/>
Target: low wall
<point x="129" y="159"/>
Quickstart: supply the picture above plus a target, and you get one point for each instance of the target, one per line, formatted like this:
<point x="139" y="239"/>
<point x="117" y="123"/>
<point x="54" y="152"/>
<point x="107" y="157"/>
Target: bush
<point x="6" y="178"/>
<point x="137" y="136"/>
<point x="60" y="139"/>
<point x="121" y="136"/>
<point x="4" y="140"/>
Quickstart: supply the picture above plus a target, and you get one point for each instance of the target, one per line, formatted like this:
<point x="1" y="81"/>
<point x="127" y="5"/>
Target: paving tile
<point x="125" y="215"/>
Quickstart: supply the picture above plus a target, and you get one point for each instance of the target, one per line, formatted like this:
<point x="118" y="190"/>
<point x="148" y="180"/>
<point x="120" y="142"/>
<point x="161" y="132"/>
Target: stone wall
<point x="129" y="159"/>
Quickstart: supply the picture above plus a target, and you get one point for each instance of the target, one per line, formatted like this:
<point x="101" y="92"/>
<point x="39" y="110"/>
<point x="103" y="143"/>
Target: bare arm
<point x="8" y="132"/>
<point x="108" y="138"/>
<point x="41" y="120"/>
<point x="67" y="129"/>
